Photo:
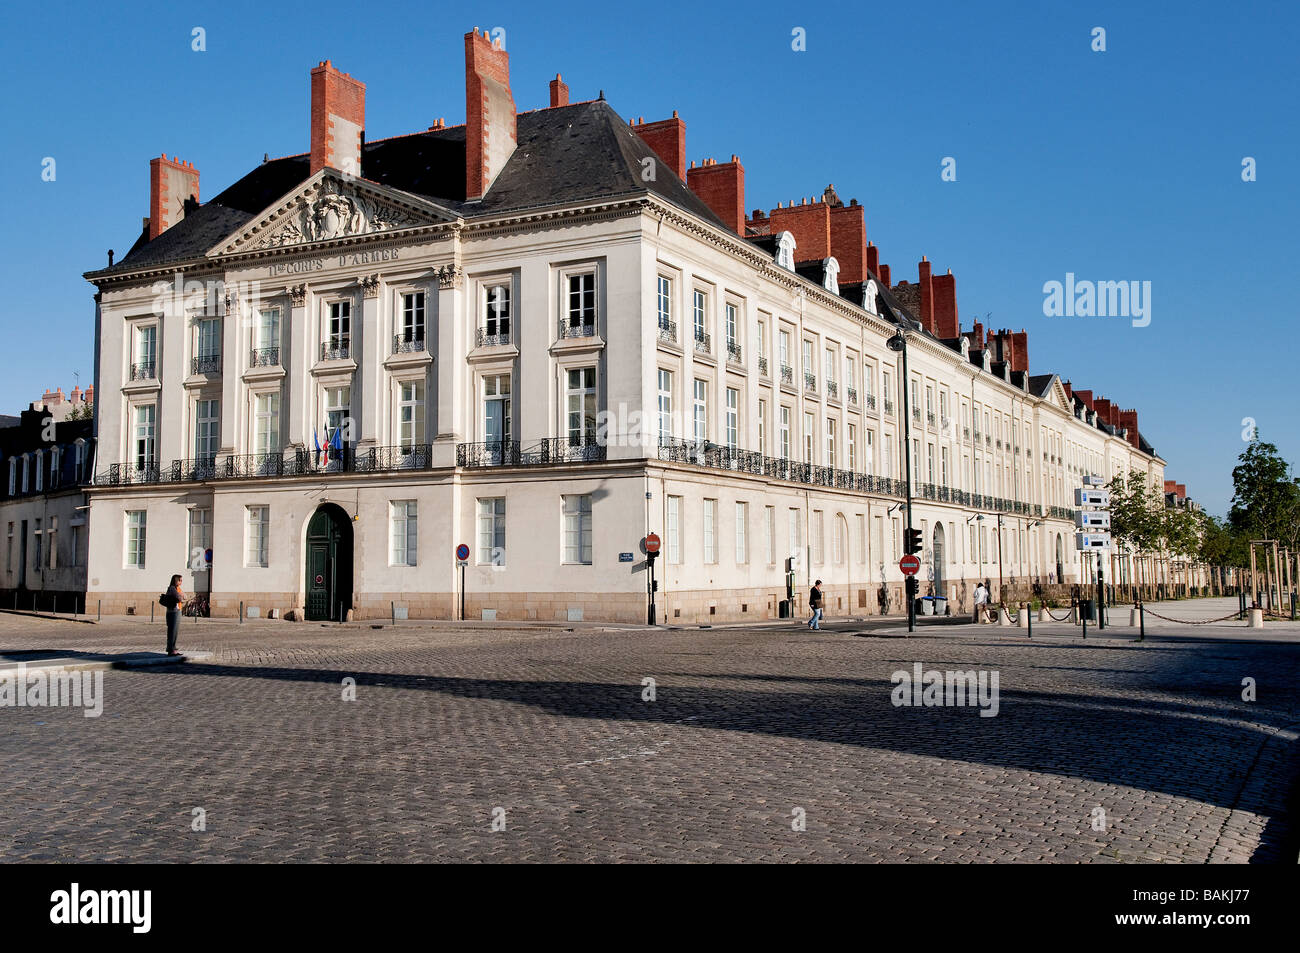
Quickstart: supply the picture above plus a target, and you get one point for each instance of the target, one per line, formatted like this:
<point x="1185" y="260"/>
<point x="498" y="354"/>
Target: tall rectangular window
<point x="410" y="415"/>
<point x="742" y="537"/>
<point x="664" y="302"/>
<point x="577" y="529"/>
<point x="145" y="448"/>
<point x="869" y="451"/>
<point x="943" y="471"/>
<point x="862" y="538"/>
<point x="818" y="537"/>
<point x="783" y="347"/>
<point x="701" y="410"/>
<point x="338" y="412"/>
<point x="831" y="459"/>
<point x="665" y="403"/>
<point x="266" y="342"/>
<point x="581" y="304"/>
<point x="733" y="417"/>
<point x="769" y="533"/>
<point x="404" y="532"/>
<point x="146" y="349"/>
<point x="259" y="525"/>
<point x="208" y="345"/>
<point x="809" y="437"/>
<point x="496" y="312"/>
<point x="200" y="535"/>
<point x="853" y="448"/>
<point x="784" y="433"/>
<point x="136" y="532"/>
<point x="762" y="427"/>
<point x="412" y="328"/>
<point x="733" y="328"/>
<point x="497" y="412"/>
<point x="700" y="314"/>
<point x="795" y="537"/>
<point x="710" y="525"/>
<point x="266" y="422"/>
<point x="674" y="530"/>
<point x="78" y="534"/>
<point x="38" y="539"/>
<point x="580" y="398"/>
<point x="830" y="366"/>
<point x="338" y="337"/>
<point x="207" y="429"/>
<point x="492" y="531"/>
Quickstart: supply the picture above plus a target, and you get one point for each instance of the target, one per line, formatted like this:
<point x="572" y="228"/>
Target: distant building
<point x="45" y="463"/>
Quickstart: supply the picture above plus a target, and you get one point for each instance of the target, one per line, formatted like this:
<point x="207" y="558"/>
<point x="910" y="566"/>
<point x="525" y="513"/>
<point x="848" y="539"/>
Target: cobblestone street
<point x="750" y="729"/>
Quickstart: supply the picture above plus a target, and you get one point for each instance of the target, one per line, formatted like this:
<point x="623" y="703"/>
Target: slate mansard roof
<point x="564" y="155"/>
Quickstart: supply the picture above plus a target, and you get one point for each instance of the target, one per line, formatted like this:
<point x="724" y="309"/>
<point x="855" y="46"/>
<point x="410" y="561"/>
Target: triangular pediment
<point x="1060" y="397"/>
<point x="330" y="206"/>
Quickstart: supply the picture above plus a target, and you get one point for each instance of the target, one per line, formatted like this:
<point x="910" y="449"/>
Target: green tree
<point x="1266" y="497"/>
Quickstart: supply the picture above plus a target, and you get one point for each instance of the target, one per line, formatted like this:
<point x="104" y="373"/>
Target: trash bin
<point x="927" y="605"/>
<point x="941" y="605"/>
<point x="783" y="610"/>
<point x="1088" y="610"/>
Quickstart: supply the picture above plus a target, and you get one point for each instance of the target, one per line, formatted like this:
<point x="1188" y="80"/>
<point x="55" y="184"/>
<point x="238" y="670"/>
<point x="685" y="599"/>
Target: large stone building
<point x="540" y="334"/>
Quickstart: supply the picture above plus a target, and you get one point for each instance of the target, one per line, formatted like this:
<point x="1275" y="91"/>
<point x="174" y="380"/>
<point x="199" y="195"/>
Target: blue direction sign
<point x="462" y="552"/>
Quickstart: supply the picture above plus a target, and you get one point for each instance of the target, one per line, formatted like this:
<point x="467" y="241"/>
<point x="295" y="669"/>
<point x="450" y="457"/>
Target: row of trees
<point x="1265" y="505"/>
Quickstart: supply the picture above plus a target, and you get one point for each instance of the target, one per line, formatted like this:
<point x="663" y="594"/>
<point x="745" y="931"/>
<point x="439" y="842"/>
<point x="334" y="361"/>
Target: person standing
<point x="172" y="600"/>
<point x="815" y="603"/>
<point x="981" y="599"/>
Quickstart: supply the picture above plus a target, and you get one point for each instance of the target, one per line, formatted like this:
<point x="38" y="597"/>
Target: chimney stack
<point x="559" y="92"/>
<point x="172" y="186"/>
<point x="721" y="186"/>
<point x="490" y="134"/>
<point x="667" y="138"/>
<point x="338" y="120"/>
<point x="943" y="292"/>
<point x="810" y="224"/>
<point x="927" y="295"/>
<point x="849" y="241"/>
<point x="873" y="259"/>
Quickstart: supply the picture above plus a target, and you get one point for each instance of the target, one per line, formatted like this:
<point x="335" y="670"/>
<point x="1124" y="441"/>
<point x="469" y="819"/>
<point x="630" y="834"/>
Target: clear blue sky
<point x="1119" y="165"/>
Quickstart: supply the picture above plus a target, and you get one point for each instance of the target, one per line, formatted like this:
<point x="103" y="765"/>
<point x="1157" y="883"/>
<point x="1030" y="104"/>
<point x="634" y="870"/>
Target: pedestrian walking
<point x="172" y="600"/>
<point x="815" y="603"/>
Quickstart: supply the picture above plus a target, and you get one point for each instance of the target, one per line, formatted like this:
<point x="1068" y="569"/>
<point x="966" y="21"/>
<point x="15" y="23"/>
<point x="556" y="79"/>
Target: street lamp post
<point x="898" y="343"/>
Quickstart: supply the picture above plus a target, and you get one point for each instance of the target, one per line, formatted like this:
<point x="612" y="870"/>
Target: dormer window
<point x="984" y="358"/>
<point x="831" y="275"/>
<point x="785" y="246"/>
<point x="869" y="292"/>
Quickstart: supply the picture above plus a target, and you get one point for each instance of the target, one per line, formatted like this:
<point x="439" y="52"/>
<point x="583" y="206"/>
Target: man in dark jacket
<point x="173" y="599"/>
<point x="815" y="603"/>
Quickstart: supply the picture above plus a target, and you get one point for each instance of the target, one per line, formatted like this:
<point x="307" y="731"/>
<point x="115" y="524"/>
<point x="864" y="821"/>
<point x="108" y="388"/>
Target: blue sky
<point x="1116" y="165"/>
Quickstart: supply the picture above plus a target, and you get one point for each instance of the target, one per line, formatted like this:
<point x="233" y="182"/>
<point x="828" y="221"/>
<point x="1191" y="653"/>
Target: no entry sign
<point x="910" y="565"/>
<point x="652" y="543"/>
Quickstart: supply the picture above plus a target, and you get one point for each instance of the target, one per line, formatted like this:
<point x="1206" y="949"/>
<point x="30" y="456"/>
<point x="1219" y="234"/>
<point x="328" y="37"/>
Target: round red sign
<point x="910" y="565"/>
<point x="652" y="543"/>
<point x="320" y="580"/>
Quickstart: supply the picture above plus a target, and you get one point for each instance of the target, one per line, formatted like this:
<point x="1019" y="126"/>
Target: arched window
<point x="40" y="471"/>
<point x="839" y="552"/>
<point x="13" y="475"/>
<point x="27" y="471"/>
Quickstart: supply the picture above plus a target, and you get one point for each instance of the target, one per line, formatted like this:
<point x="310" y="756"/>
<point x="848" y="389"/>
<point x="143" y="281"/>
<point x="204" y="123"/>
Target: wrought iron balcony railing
<point x="206" y="364"/>
<point x="120" y="474"/>
<point x="810" y="382"/>
<point x="703" y="342"/>
<point x="762" y="366"/>
<point x="483" y="339"/>
<point x="338" y="348"/>
<point x="852" y="394"/>
<point x="734" y="353"/>
<point x="930" y="418"/>
<point x="833" y="389"/>
<point x="264" y="357"/>
<point x="567" y="450"/>
<point x="570" y="330"/>
<point x="144" y="371"/>
<point x="787" y="374"/>
<point x="490" y="453"/>
<point x="668" y="331"/>
<point x="408" y="342"/>
<point x="889" y="407"/>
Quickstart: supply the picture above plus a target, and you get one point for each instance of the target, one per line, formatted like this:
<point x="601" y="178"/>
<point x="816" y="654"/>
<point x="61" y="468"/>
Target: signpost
<point x="462" y="557"/>
<point x="1093" y="518"/>
<point x="651" y="544"/>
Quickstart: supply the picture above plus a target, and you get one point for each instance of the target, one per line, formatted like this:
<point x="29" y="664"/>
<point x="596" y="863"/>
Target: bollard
<point x="1084" y="620"/>
<point x="1132" y="617"/>
<point x="1024" y="616"/>
<point x="99" y="610"/>
<point x="392" y="611"/>
<point x="1029" y="625"/>
<point x="1004" y="617"/>
<point x="1293" y="607"/>
<point x="1043" y="615"/>
<point x="54" y="601"/>
<point x="241" y="611"/>
<point x="151" y="612"/>
<point x="1256" y="618"/>
<point x="1142" y="622"/>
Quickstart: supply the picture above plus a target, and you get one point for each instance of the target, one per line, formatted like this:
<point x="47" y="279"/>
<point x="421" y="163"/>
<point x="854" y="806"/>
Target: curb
<point x="141" y="660"/>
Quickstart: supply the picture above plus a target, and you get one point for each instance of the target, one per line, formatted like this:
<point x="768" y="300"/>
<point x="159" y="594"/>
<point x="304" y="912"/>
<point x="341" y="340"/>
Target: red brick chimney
<point x="559" y="92"/>
<point x="1086" y="397"/>
<point x="1020" y="345"/>
<point x="873" y="259"/>
<point x="810" y="224"/>
<point x="943" y="289"/>
<point x="721" y="186"/>
<point x="927" y="295"/>
<point x="849" y="241"/>
<point x="338" y="120"/>
<point x="1128" y="419"/>
<point x="490" y="134"/>
<point x="884" y="276"/>
<point x="667" y="138"/>
<point x="172" y="183"/>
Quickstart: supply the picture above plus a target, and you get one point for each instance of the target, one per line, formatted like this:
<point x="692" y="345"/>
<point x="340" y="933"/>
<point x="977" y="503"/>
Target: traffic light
<point x="912" y="541"/>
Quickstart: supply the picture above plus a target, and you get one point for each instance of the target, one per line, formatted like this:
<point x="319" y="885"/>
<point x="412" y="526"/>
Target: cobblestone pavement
<point x="748" y="725"/>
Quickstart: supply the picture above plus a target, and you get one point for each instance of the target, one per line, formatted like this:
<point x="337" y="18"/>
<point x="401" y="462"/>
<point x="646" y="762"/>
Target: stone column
<point x="370" y="347"/>
<point x="449" y="366"/>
